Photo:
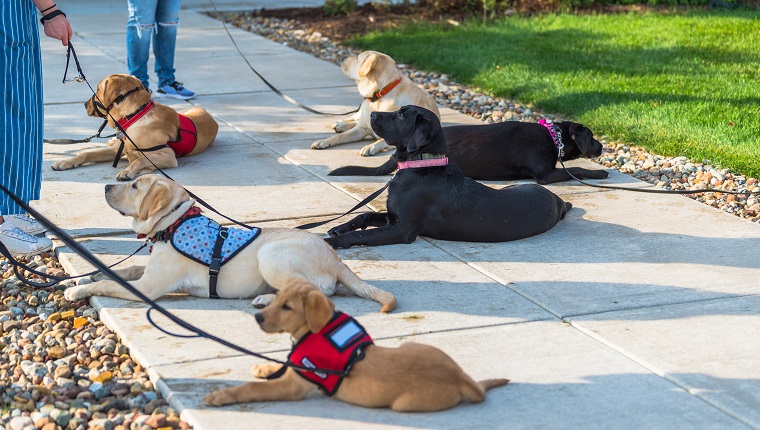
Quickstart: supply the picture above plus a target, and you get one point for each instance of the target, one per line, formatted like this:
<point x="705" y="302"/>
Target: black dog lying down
<point x="431" y="198"/>
<point x="508" y="150"/>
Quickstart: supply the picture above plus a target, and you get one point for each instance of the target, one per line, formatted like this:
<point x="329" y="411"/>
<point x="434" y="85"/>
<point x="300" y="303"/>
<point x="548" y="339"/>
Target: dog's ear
<point x="582" y="137"/>
<point x="318" y="310"/>
<point x="420" y="135"/>
<point x="157" y="198"/>
<point x="367" y="65"/>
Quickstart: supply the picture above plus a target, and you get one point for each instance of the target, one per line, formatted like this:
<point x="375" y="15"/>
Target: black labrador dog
<point x="508" y="150"/>
<point x="429" y="197"/>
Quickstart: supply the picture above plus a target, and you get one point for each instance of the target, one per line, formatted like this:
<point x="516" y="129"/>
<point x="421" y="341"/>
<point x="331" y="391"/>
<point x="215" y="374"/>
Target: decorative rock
<point x="79" y="322"/>
<point x="57" y="352"/>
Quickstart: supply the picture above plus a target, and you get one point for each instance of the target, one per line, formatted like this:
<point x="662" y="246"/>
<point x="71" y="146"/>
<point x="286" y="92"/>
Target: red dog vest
<point x="188" y="137"/>
<point x="336" y="347"/>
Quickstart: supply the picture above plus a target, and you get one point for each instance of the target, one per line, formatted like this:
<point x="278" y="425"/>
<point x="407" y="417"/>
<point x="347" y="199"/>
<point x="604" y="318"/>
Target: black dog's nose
<point x="259" y="317"/>
<point x="85" y="104"/>
<point x="108" y="187"/>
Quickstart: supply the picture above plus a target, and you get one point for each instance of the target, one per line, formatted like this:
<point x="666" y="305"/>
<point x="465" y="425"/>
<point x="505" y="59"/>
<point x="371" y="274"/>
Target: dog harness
<point x="186" y="140"/>
<point x="339" y="345"/>
<point x="204" y="241"/>
<point x="425" y="160"/>
<point x="556" y="134"/>
<point x="388" y="88"/>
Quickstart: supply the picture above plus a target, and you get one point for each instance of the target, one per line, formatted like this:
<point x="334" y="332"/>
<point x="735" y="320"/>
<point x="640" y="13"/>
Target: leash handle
<point x="368" y="199"/>
<point x="80" y="77"/>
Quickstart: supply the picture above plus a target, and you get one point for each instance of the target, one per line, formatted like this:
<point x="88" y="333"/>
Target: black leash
<point x="86" y="139"/>
<point x="368" y="199"/>
<point x="272" y="87"/>
<point x="53" y="279"/>
<point x="198" y="333"/>
<point x="656" y="190"/>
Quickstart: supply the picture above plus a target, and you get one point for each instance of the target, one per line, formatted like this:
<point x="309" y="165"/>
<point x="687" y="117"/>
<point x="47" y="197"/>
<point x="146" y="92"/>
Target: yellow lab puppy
<point x="155" y="128"/>
<point x="413" y="377"/>
<point x="271" y="259"/>
<point x="384" y="89"/>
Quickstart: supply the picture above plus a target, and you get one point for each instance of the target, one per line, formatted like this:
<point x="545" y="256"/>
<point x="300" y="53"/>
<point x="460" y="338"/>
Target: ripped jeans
<point x="156" y="19"/>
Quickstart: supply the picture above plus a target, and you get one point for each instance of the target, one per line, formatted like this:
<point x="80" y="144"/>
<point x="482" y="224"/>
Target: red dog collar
<point x="430" y="162"/>
<point x="128" y="120"/>
<point x="388" y="88"/>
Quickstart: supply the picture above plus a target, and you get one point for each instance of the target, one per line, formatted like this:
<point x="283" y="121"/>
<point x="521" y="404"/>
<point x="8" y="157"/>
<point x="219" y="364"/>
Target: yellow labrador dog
<point x="155" y="128"/>
<point x="385" y="89"/>
<point x="413" y="377"/>
<point x="271" y="259"/>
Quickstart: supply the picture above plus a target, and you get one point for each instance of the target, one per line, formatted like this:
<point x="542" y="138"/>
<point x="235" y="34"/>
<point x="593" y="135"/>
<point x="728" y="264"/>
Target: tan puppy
<point x="375" y="72"/>
<point x="413" y="377"/>
<point x="277" y="257"/>
<point x="123" y="96"/>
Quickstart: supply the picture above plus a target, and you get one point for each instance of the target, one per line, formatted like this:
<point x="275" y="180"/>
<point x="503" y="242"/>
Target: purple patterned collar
<point x="556" y="134"/>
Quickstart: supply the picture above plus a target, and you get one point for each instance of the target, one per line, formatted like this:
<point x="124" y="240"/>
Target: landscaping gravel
<point x="677" y="173"/>
<point x="62" y="368"/>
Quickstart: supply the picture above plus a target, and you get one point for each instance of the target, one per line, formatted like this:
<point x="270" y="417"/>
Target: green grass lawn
<point x="675" y="84"/>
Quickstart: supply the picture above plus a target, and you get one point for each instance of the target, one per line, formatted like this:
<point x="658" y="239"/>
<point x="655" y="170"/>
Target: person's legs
<point x="140" y="27"/>
<point x="165" y="40"/>
<point x="164" y="43"/>
<point x="21" y="121"/>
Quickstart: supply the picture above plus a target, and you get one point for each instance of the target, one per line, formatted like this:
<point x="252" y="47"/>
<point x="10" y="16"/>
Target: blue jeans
<point x="157" y="19"/>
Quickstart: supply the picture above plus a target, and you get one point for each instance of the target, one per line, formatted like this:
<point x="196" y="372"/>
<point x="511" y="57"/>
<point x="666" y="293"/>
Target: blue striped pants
<point x="21" y="120"/>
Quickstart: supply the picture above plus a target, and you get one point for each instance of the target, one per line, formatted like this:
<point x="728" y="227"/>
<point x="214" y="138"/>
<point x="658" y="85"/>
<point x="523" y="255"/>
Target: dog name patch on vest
<point x="345" y="334"/>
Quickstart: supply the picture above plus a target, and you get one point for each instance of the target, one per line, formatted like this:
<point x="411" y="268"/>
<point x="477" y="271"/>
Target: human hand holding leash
<point x="54" y="21"/>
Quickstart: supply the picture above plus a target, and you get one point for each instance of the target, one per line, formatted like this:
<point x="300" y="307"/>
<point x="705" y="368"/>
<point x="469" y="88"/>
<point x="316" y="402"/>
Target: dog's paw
<point x="335" y="242"/>
<point x="63" y="165"/>
<point x="263" y="300"/>
<point x="342" y="126"/>
<point x="343" y="229"/>
<point x="125" y="175"/>
<point x="599" y="174"/>
<point x="220" y="398"/>
<point x="373" y="149"/>
<point x="78" y="292"/>
<point x="320" y="144"/>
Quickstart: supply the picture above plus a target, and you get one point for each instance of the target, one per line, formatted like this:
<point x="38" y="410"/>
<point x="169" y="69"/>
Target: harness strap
<point x="216" y="263"/>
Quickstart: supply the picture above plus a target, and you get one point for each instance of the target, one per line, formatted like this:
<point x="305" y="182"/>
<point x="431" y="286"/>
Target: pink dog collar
<point x="430" y="162"/>
<point x="556" y="134"/>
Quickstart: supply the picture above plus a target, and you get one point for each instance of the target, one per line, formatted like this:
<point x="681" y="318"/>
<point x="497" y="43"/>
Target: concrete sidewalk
<point x="636" y="311"/>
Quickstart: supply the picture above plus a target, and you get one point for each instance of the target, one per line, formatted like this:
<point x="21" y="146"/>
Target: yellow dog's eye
<point x="286" y="307"/>
<point x="134" y="185"/>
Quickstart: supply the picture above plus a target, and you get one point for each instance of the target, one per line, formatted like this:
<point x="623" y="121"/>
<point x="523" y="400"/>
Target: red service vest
<point x="188" y="137"/>
<point x="336" y="347"/>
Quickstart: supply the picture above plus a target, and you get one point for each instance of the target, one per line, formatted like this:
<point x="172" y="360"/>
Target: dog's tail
<point x="487" y="384"/>
<point x="386" y="169"/>
<point x="564" y="208"/>
<point x="368" y="291"/>
<point x="475" y="392"/>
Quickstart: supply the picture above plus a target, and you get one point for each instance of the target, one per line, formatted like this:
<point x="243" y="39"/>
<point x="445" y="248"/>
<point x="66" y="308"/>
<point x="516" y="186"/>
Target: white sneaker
<point x="25" y="223"/>
<point x="21" y="243"/>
